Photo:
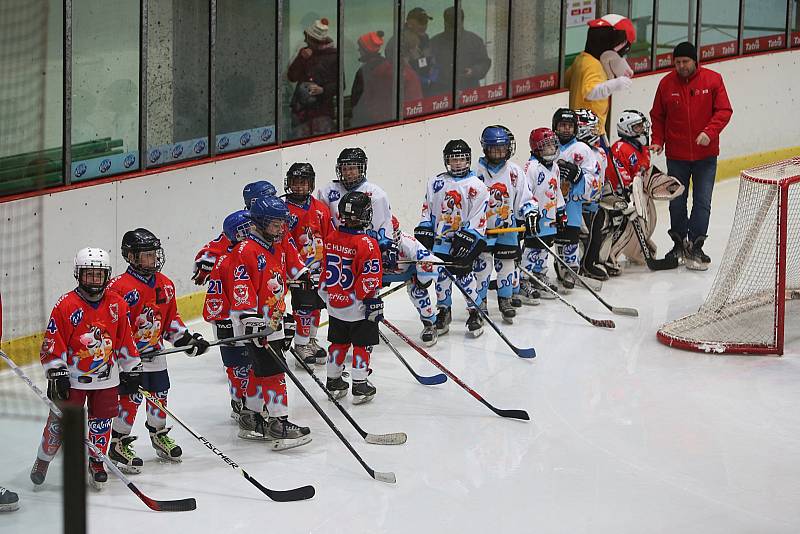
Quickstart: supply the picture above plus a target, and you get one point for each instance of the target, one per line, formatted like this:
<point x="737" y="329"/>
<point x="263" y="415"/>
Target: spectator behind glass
<point x="371" y="98"/>
<point x="473" y="60"/>
<point x="315" y="70"/>
<point x="419" y="58"/>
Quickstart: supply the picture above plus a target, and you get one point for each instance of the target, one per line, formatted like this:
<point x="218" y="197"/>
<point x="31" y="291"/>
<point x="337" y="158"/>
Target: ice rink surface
<point x="626" y="435"/>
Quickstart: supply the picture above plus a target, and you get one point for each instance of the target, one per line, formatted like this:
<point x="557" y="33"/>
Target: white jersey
<point x="381" y="227"/>
<point x="584" y="157"/>
<point x="546" y="189"/>
<point x="510" y="194"/>
<point x="412" y="250"/>
<point x="452" y="204"/>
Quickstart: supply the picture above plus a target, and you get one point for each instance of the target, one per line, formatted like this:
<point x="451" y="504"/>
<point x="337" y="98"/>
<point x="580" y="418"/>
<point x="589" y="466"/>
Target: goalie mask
<point x="299" y="182"/>
<point x="92" y="270"/>
<point x="142" y="250"/>
<point x="633" y="126"/>
<point x="351" y="168"/>
<point x="457" y="157"/>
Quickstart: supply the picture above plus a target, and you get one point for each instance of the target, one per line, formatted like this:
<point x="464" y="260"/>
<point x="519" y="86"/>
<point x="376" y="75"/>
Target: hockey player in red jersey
<point x="87" y="353"/>
<point x="207" y="256"/>
<point x="216" y="310"/>
<point x="263" y="264"/>
<point x="154" y="318"/>
<point x="310" y="224"/>
<point x="351" y="280"/>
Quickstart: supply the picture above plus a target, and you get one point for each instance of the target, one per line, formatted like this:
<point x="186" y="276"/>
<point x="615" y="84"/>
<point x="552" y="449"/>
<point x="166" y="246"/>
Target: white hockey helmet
<point x="632" y="125"/>
<point x="92" y="258"/>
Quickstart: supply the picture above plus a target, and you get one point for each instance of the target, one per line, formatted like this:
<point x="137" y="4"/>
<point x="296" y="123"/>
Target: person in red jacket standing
<point x="690" y="109"/>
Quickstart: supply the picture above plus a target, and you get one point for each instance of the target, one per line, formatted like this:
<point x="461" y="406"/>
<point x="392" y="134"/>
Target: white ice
<point x="626" y="435"/>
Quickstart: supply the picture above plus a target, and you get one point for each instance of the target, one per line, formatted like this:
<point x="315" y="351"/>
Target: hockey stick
<point x="513" y="414"/>
<point x="522" y="353"/>
<point x="382" y="295"/>
<point x="425" y="380"/>
<point x="429" y="262"/>
<point x="297" y="494"/>
<point x="602" y="323"/>
<point x="388" y="477"/>
<point x="223" y="341"/>
<point x="397" y="438"/>
<point x="178" y="505"/>
<point x="632" y="312"/>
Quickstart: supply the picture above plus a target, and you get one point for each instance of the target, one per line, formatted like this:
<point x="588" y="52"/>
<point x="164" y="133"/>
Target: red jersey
<point x="352" y="273"/>
<point x="153" y="313"/>
<point x="88" y="338"/>
<point x="257" y="276"/>
<point x="217" y="305"/>
<point x="213" y="249"/>
<point x="628" y="161"/>
<point x="310" y="224"/>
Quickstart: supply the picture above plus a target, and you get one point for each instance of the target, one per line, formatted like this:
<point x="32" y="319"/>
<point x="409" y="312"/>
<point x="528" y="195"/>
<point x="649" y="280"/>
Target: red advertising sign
<point x="426" y="106"/>
<point x="534" y="84"/>
<point x="664" y="60"/>
<point x="713" y="51"/>
<point x="639" y="64"/>
<point x="766" y="42"/>
<point x="795" y="39"/>
<point x="485" y="93"/>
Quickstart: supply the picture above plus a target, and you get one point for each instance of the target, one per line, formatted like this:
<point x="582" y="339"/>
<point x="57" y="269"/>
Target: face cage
<point x="466" y="158"/>
<point x="509" y="152"/>
<point x="287" y="187"/>
<point x="138" y="267"/>
<point x="351" y="183"/>
<point x="92" y="289"/>
<point x="566" y="138"/>
<point x="542" y="145"/>
<point x="242" y="231"/>
<point x="365" y="221"/>
<point x="262" y="225"/>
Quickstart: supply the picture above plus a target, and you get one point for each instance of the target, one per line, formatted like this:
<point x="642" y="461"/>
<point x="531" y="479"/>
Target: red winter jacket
<point x="682" y="108"/>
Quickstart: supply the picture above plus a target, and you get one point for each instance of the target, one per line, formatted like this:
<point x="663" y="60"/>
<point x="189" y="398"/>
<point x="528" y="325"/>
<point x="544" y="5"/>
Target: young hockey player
<point x="309" y="224"/>
<point x="87" y="354"/>
<point x="351" y="174"/>
<point x="542" y="173"/>
<point x="510" y="200"/>
<point x="453" y="227"/>
<point x="422" y="274"/>
<point x="580" y="182"/>
<point x="263" y="264"/>
<point x="205" y="258"/>
<point x="349" y="287"/>
<point x="216" y="310"/>
<point x="154" y="318"/>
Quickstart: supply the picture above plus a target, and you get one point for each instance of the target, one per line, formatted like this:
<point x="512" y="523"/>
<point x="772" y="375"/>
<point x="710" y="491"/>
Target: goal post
<point x="757" y="286"/>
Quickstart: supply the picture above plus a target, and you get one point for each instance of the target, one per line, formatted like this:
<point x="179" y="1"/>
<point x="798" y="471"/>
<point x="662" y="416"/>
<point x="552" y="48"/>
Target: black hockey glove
<point x="561" y="219"/>
<point x="224" y="328"/>
<point x="424" y="235"/>
<point x="194" y="343"/>
<point x="58" y="384"/>
<point x="202" y="269"/>
<point x="374" y="309"/>
<point x="289" y="328"/>
<point x="569" y="171"/>
<point x="389" y="256"/>
<point x="466" y="246"/>
<point x="532" y="223"/>
<point x="130" y="382"/>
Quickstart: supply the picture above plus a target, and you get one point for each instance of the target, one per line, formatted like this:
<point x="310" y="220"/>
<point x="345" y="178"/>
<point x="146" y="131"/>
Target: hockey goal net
<point x="757" y="287"/>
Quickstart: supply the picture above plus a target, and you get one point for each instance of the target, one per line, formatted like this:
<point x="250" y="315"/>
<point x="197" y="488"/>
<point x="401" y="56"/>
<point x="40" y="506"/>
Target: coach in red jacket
<point x="690" y="109"/>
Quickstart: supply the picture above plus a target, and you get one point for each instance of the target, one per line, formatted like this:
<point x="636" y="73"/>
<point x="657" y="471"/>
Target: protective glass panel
<point x="579" y="12"/>
<point x="676" y="24"/>
<point x="642" y="18"/>
<point x="482" y="55"/>
<point x="764" y="25"/>
<point x="794" y="23"/>
<point x="534" y="48"/>
<point x="105" y="88"/>
<point x="719" y="29"/>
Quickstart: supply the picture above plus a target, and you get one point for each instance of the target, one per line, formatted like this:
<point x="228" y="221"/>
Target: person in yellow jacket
<point x="601" y="69"/>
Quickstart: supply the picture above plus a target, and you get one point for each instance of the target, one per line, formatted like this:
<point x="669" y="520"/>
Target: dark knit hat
<point x="685" y="49"/>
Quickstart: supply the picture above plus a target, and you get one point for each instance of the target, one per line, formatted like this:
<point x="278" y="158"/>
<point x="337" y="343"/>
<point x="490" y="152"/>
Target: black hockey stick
<point x="632" y="312"/>
<point x="425" y="380"/>
<point x="223" y="341"/>
<point x="382" y="295"/>
<point x="528" y="352"/>
<point x="397" y="438"/>
<point x="602" y="323"/>
<point x="297" y="494"/>
<point x="653" y="264"/>
<point x="513" y="414"/>
<point x="178" y="505"/>
<point x="388" y="477"/>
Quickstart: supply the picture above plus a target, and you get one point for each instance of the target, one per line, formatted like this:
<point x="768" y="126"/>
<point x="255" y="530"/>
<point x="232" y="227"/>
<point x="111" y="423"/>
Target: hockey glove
<point x="569" y="171"/>
<point x="58" y="384"/>
<point x="223" y="328"/>
<point x="466" y="246"/>
<point x="130" y="382"/>
<point x="424" y="235"/>
<point x="289" y="328"/>
<point x="194" y="343"/>
<point x="374" y="309"/>
<point x="256" y="323"/>
<point x="202" y="269"/>
<point x="561" y="219"/>
<point x="389" y="256"/>
<point x="531" y="223"/>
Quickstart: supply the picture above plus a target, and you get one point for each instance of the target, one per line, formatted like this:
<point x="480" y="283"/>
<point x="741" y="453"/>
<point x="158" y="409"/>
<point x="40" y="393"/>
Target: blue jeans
<point x="701" y="173"/>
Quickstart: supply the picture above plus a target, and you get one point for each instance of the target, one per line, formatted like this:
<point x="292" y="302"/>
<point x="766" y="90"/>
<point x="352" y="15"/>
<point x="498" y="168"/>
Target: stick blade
<point x="603" y="323"/>
<point x="525" y="353"/>
<point x="398" y="438"/>
<point x="387" y="477"/>
<point x="297" y="494"/>
<point x="630" y="312"/>
<point x="522" y="415"/>
<point x="434" y="380"/>
<point x="179" y="505"/>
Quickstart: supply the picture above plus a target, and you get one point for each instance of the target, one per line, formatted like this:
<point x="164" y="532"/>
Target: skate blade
<point x="508" y="320"/>
<point x="9" y="507"/>
<point x="362" y="399"/>
<point x="128" y="469"/>
<point x="285" y="444"/>
<point x="429" y="343"/>
<point x="164" y="456"/>
<point x="443" y="331"/>
<point x="320" y="361"/>
<point x="475" y="333"/>
<point x="251" y="435"/>
<point x="338" y="394"/>
<point x="97" y="486"/>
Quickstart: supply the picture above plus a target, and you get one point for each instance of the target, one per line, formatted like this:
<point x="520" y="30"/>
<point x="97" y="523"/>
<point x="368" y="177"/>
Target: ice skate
<point x="474" y="323"/>
<point x="443" y="318"/>
<point x="9" y="501"/>
<point x="165" y="446"/>
<point x="252" y="426"/>
<point x="506" y="309"/>
<point x="284" y="434"/>
<point x="98" y="478"/>
<point x="308" y="354"/>
<point x="337" y="387"/>
<point x="320" y="354"/>
<point x="39" y="471"/>
<point x="429" y="334"/>
<point x="122" y="454"/>
<point x="362" y="391"/>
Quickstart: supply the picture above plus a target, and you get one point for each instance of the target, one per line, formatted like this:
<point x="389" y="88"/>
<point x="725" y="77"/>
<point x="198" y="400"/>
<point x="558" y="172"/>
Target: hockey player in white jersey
<point x="453" y="226"/>
<point x="351" y="175"/>
<point x="542" y="174"/>
<point x="580" y="179"/>
<point x="510" y="200"/>
<point x="422" y="275"/>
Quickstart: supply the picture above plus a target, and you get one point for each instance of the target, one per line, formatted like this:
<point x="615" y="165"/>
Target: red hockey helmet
<point x="544" y="144"/>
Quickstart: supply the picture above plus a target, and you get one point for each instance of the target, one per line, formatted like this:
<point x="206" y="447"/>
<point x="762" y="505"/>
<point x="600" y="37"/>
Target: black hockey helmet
<point x="355" y="210"/>
<point x="568" y="116"/>
<point x="299" y="173"/>
<point x="351" y="158"/>
<point x="135" y="243"/>
<point x="457" y="151"/>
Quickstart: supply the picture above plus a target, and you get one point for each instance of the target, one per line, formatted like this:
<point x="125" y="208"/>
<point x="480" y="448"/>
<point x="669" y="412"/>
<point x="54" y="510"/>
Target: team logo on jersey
<point x="438" y="184"/>
<point x="513" y="175"/>
<point x="540" y="178"/>
<point x="577" y="158"/>
<point x="472" y="193"/>
<point x="76" y="317"/>
<point x="132" y="297"/>
<point x="241" y="294"/>
<point x="452" y="200"/>
<point x="48" y="345"/>
<point x="51" y="326"/>
<point x="213" y="307"/>
<point x="293" y="220"/>
<point x="261" y="262"/>
<point x="114" y="311"/>
<point x="169" y="292"/>
<point x="96" y="352"/>
<point x="633" y="159"/>
<point x="147" y="328"/>
<point x="333" y="196"/>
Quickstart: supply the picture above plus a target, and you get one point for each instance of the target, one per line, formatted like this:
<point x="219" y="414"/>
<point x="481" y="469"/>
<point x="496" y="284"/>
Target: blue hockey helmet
<point x="498" y="136"/>
<point x="237" y="225"/>
<point x="257" y="189"/>
<point x="266" y="211"/>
